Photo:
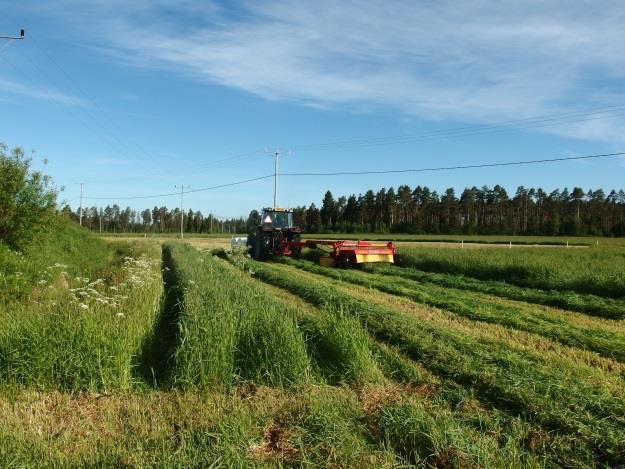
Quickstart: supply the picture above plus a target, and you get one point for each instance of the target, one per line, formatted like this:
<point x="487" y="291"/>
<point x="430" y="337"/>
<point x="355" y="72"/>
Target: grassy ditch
<point x="80" y="333"/>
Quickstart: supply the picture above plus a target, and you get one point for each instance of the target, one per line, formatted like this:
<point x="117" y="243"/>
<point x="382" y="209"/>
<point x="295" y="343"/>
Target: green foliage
<point x="27" y="199"/>
<point x="81" y="253"/>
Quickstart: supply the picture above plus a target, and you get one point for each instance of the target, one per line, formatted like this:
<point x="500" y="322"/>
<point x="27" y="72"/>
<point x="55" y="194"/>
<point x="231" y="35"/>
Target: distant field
<point x="483" y="239"/>
<point x="156" y="352"/>
<point x="546" y="240"/>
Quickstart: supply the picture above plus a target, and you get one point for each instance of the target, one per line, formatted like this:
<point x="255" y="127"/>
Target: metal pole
<point x="80" y="216"/>
<point x="181" y="212"/>
<point x="182" y="209"/>
<point x="275" y="179"/>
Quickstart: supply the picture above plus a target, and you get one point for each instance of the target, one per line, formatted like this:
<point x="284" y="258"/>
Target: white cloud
<point x="465" y="61"/>
<point x="12" y="87"/>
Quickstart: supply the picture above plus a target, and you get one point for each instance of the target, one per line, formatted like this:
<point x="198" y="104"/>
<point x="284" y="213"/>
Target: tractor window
<point x="278" y="219"/>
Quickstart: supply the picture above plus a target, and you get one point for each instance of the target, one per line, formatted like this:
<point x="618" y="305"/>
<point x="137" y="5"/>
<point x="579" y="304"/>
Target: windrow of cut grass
<point x="592" y="305"/>
<point x="80" y="333"/>
<point x="478" y="436"/>
<point x="595" y="271"/>
<point x="481" y="307"/>
<point x="230" y="331"/>
<point x="588" y="417"/>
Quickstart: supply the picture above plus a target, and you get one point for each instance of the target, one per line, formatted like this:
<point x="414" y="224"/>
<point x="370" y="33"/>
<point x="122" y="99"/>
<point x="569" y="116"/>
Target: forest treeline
<point x="405" y="210"/>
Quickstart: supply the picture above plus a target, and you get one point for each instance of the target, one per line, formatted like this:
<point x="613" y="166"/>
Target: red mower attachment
<point x="347" y="253"/>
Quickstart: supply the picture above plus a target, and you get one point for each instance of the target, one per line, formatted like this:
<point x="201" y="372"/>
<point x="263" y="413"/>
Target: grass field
<point x="143" y="353"/>
<point x="413" y="238"/>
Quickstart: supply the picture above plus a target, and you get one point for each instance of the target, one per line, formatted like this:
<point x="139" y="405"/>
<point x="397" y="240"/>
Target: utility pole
<point x="100" y="218"/>
<point x="182" y="186"/>
<point x="275" y="178"/>
<point x="276" y="158"/>
<point x="14" y="38"/>
<point x="80" y="215"/>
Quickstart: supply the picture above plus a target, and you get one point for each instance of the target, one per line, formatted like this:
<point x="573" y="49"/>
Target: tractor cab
<point x="277" y="219"/>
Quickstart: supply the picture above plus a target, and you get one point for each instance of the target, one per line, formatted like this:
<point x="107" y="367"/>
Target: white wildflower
<point x="120" y="315"/>
<point x="83" y="306"/>
<point x="42" y="282"/>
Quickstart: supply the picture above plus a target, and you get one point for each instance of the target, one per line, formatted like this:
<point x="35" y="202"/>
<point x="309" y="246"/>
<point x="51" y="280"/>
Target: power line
<point x="448" y="168"/>
<point x="151" y="196"/>
<point x="359" y="173"/>
<point x="530" y="123"/>
<point x="94" y="130"/>
<point x="84" y="93"/>
<point x="122" y="147"/>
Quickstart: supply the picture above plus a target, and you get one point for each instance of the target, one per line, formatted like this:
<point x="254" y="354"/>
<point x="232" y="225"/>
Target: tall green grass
<point x="230" y="331"/>
<point x="80" y="333"/>
<point x="587" y="415"/>
<point x="596" y="271"/>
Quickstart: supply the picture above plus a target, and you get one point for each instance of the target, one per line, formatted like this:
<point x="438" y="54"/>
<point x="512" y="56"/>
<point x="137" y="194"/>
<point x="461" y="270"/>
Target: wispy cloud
<point x="15" y="88"/>
<point x="460" y="61"/>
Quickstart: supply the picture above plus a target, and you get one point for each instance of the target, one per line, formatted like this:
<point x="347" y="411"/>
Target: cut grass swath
<point x="590" y="416"/>
<point x="481" y="308"/>
<point x="593" y="305"/>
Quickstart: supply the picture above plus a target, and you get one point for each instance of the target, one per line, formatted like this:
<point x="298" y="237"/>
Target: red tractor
<point x="276" y="235"/>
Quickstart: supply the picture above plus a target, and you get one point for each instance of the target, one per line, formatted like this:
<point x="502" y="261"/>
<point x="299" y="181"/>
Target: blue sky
<point x="133" y="98"/>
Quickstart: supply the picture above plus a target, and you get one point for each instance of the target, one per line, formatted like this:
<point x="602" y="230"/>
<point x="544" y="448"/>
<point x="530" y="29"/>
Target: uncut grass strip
<point x="482" y="308"/>
<point x="584" y="365"/>
<point x="596" y="271"/>
<point x="230" y="331"/>
<point x="508" y="380"/>
<point x="592" y="305"/>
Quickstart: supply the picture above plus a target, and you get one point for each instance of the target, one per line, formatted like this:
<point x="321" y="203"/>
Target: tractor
<point x="276" y="235"/>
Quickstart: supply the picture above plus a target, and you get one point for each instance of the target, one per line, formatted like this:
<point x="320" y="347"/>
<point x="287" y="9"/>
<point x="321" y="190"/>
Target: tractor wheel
<point x="398" y="260"/>
<point x="259" y="249"/>
<point x="297" y="252"/>
<point x="346" y="260"/>
<point x="251" y="240"/>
